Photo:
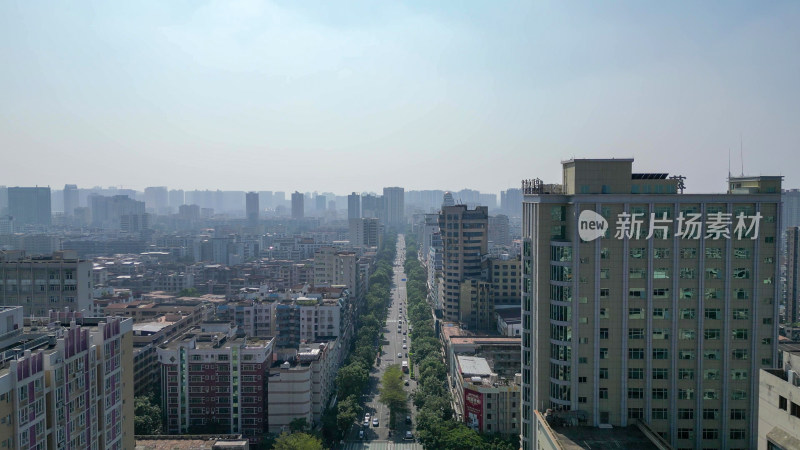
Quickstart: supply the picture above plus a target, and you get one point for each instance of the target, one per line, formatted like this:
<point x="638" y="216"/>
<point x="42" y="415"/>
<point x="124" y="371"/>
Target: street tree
<point x="297" y="441"/>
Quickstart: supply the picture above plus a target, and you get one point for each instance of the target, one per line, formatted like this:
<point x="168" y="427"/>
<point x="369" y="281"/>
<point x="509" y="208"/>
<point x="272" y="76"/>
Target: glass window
<point x="635" y="373"/>
<point x="661" y="273"/>
<point x="687" y="334"/>
<point x="636" y="273"/>
<point x="741" y="273"/>
<point x="740" y="334"/>
<point x="638" y="253"/>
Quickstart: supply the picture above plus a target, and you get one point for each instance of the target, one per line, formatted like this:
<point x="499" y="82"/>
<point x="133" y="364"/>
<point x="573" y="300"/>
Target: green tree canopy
<point x="147" y="416"/>
<point x="297" y="441"/>
<point x="392" y="393"/>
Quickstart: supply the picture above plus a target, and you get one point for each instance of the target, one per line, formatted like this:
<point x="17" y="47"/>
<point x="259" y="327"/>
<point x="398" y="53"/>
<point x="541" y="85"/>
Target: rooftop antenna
<point x="741" y="152"/>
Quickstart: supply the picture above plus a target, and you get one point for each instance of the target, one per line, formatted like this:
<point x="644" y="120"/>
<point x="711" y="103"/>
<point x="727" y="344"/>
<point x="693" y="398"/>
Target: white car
<point x="375" y="422"/>
<point x="405" y="346"/>
<point x="399" y="355"/>
<point x="366" y="420"/>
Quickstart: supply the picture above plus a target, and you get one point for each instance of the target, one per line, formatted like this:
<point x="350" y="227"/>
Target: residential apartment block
<point x="642" y="303"/>
<point x="72" y="386"/>
<point x="301" y="382"/>
<point x="213" y="380"/>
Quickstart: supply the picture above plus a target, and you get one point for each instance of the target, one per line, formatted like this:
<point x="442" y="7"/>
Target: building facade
<point x="353" y="206"/>
<point x="251" y="208"/>
<point x="71" y="389"/>
<point x="643" y="303"/>
<point x="298" y="205"/>
<point x="46" y="283"/>
<point x="792" y="291"/>
<point x="70" y="199"/>
<point x="464" y="242"/>
<point x="394" y="207"/>
<point x="30" y="205"/>
<point x="213" y="380"/>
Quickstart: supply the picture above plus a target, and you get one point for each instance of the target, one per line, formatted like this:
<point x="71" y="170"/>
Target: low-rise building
<point x="502" y="351"/>
<point x="779" y="403"/>
<point x="485" y="401"/>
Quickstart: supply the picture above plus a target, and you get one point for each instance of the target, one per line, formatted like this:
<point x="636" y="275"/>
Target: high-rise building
<point x="447" y="199"/>
<point x="792" y="275"/>
<point x="119" y="212"/>
<point x="45" y="283"/>
<point x="70" y="199"/>
<point x="365" y="232"/>
<point x="511" y="202"/>
<point x="156" y="199"/>
<point x="3" y="199"/>
<point x="265" y="199"/>
<point x="641" y="303"/>
<point x="29" y="205"/>
<point x="298" y="205"/>
<point x="252" y="208"/>
<point x="464" y="240"/>
<point x="213" y="358"/>
<point x="791" y="208"/>
<point x="372" y="206"/>
<point x="353" y="206"/>
<point x="499" y="234"/>
<point x="394" y="207"/>
<point x="320" y="202"/>
<point x="71" y="389"/>
<point x="177" y="198"/>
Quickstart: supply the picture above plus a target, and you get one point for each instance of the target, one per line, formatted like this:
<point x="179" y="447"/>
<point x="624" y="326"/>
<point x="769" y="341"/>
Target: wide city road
<point x="394" y="350"/>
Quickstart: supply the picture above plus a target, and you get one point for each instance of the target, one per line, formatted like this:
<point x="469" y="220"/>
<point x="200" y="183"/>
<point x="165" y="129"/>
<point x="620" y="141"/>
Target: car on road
<point x="408" y="419"/>
<point x="375" y="422"/>
<point x="405" y="346"/>
<point x="366" y="420"/>
<point x="406" y="383"/>
<point x="404" y="332"/>
<point x="399" y="355"/>
<point x="361" y="434"/>
<point x="409" y="436"/>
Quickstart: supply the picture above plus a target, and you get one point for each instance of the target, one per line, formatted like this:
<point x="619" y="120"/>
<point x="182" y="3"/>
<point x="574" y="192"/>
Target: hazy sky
<point x="343" y="96"/>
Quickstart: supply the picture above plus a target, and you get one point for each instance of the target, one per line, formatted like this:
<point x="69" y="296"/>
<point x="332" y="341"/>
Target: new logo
<point x="591" y="225"/>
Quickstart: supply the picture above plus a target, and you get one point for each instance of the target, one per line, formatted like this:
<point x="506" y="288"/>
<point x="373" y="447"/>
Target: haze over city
<point x="408" y="225"/>
<point x="252" y="95"/>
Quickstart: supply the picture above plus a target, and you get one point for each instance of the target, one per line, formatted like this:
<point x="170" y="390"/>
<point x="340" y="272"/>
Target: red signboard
<point x="473" y="409"/>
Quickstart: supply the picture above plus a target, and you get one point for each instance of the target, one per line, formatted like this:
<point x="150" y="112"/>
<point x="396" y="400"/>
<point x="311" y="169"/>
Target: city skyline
<point x="218" y="92"/>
